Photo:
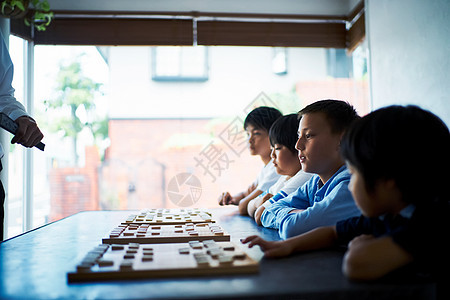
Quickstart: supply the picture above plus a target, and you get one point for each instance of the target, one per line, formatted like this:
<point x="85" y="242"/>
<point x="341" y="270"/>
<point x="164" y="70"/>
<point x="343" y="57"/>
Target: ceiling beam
<point x="111" y="32"/>
<point x="327" y="35"/>
<point x="202" y="28"/>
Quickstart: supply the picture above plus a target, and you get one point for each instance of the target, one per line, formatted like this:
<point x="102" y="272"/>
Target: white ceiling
<point x="297" y="7"/>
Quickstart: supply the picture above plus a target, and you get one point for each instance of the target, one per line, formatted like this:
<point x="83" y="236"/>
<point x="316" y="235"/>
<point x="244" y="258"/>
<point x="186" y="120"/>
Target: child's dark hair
<point x="262" y="117"/>
<point x="340" y="114"/>
<point x="284" y="132"/>
<point x="406" y="144"/>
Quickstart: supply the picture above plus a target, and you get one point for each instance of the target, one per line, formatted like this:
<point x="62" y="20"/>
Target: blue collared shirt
<point x="322" y="206"/>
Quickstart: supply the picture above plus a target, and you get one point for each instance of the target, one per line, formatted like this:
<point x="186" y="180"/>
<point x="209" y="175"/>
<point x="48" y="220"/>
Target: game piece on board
<point x="169" y="234"/>
<point x="166" y="260"/>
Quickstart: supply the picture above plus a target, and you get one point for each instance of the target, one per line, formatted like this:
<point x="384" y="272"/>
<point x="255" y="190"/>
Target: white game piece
<point x="105" y="263"/>
<point x="133" y="246"/>
<point x="147" y="258"/>
<point x="214" y="252"/>
<point x="225" y="259"/>
<point x="228" y="248"/>
<point x="184" y="250"/>
<point x="239" y="255"/>
<point x="126" y="265"/>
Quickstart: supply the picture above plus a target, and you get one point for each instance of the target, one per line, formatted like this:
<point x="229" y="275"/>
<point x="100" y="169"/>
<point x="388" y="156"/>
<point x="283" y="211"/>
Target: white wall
<point x="237" y="75"/>
<point x="409" y="44"/>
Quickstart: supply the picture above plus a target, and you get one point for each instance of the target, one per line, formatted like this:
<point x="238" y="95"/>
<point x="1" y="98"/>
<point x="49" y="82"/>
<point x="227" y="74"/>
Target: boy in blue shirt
<point x="325" y="198"/>
<point x="406" y="217"/>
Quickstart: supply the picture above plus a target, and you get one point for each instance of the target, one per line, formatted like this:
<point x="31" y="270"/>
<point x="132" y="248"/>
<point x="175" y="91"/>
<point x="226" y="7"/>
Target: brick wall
<point x="146" y="154"/>
<point x="356" y="92"/>
<point x="75" y="189"/>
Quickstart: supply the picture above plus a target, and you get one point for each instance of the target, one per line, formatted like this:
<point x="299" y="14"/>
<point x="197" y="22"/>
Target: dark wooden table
<point x="34" y="265"/>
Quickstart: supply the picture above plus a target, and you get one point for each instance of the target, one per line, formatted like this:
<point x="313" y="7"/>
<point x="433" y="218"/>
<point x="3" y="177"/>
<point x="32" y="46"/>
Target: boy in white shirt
<point x="257" y="124"/>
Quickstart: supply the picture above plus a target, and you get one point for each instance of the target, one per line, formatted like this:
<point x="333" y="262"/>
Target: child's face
<point x="286" y="162"/>
<point x="386" y="198"/>
<point x="258" y="139"/>
<point x="359" y="192"/>
<point x="318" y="147"/>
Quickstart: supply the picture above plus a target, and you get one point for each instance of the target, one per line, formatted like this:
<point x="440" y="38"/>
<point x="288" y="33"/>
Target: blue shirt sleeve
<point x="275" y="213"/>
<point x="337" y="205"/>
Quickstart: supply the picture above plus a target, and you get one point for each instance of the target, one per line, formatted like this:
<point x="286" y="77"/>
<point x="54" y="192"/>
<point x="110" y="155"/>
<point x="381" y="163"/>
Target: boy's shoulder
<point x="342" y="174"/>
<point x="340" y="178"/>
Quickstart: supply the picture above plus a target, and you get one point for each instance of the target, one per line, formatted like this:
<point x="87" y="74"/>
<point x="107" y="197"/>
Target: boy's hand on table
<point x="270" y="248"/>
<point x="261" y="200"/>
<point x="360" y="240"/>
<point x="227" y="199"/>
<point x="258" y="213"/>
<point x="223" y="198"/>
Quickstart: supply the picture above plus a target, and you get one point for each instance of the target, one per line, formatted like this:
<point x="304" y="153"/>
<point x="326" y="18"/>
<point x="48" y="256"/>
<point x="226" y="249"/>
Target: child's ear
<point x="388" y="189"/>
<point x="387" y="184"/>
<point x="341" y="135"/>
<point x="390" y="184"/>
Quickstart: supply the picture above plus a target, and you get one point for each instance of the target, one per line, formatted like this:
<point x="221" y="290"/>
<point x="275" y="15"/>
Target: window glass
<point x="14" y="187"/>
<point x="127" y="141"/>
<point x="175" y="63"/>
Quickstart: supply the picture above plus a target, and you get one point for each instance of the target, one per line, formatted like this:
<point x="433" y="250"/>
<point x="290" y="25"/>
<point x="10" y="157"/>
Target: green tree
<point x="74" y="103"/>
<point x="287" y="102"/>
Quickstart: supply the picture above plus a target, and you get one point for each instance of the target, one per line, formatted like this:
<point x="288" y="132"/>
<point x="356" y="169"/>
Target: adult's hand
<point x="28" y="133"/>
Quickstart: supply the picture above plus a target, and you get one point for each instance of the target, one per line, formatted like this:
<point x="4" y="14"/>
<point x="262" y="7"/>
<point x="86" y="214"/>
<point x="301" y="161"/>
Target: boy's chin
<point x="254" y="152"/>
<point x="307" y="168"/>
<point x="368" y="214"/>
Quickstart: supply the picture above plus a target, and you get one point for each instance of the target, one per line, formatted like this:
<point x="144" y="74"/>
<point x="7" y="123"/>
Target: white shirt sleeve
<point x="296" y="181"/>
<point x="280" y="184"/>
<point x="8" y="103"/>
<point x="267" y="177"/>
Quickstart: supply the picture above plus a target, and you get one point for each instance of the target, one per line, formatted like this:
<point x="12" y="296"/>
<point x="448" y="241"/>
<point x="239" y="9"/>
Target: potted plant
<point x="14" y="8"/>
<point x="36" y="12"/>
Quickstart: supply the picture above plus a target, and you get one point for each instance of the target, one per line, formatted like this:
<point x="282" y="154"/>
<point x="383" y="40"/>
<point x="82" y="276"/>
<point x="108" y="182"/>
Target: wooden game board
<point x="153" y="234"/>
<point x="170" y="216"/>
<point x="115" y="262"/>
